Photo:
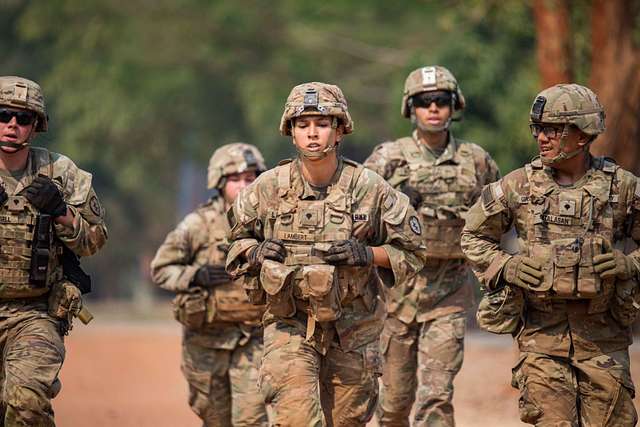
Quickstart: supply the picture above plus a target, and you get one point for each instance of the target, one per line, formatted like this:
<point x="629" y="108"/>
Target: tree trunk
<point x="553" y="49"/>
<point x="615" y="77"/>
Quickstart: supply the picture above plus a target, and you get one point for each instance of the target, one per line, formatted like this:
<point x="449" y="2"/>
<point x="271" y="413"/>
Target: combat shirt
<point x="442" y="287"/>
<point x="558" y="327"/>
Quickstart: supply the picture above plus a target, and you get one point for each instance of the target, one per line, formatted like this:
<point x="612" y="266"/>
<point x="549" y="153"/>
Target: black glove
<point x="272" y="249"/>
<point x="350" y="252"/>
<point x="209" y="276"/>
<point x="415" y="198"/>
<point x="3" y="195"/>
<point x="46" y="197"/>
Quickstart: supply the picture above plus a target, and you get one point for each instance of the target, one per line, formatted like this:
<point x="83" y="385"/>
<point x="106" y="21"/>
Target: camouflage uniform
<point x="425" y="328"/>
<point x="323" y="321"/>
<point x="222" y="340"/>
<point x="31" y="337"/>
<point x="572" y="325"/>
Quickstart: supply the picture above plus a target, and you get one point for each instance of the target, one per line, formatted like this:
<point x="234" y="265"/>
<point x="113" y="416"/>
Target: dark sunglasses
<point x="550" y="131"/>
<point x="424" y="100"/>
<point x="23" y="118"/>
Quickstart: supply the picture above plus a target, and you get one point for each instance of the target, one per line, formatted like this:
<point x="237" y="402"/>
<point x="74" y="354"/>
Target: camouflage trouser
<point x="308" y="389"/>
<point x="434" y="350"/>
<point x="223" y="384"/>
<point x="563" y="392"/>
<point x="32" y="351"/>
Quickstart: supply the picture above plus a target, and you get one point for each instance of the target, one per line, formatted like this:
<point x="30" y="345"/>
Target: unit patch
<point x="414" y="223"/>
<point x="95" y="207"/>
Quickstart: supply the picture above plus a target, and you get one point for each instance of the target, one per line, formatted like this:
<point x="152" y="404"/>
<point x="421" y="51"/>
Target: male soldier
<point x="47" y="207"/>
<point x="574" y="287"/>
<point x="307" y="238"/>
<point x="443" y="177"/>
<point x="222" y="340"/>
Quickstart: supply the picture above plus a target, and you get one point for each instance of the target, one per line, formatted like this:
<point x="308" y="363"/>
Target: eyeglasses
<point x="424" y="100"/>
<point x="550" y="131"/>
<point x="23" y="118"/>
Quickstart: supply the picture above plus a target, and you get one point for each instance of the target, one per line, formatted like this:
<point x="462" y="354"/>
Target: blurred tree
<point x="614" y="69"/>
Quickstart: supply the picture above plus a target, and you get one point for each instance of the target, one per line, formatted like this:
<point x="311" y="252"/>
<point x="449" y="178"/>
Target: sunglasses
<point x="23" y="118"/>
<point x="424" y="100"/>
<point x="550" y="131"/>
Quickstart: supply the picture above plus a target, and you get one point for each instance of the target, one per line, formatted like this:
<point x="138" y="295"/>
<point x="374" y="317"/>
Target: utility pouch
<point x="589" y="281"/>
<point x="443" y="237"/>
<point x="324" y="297"/>
<point x="254" y="291"/>
<point x="565" y="256"/>
<point x="229" y="303"/>
<point x="275" y="279"/>
<point x="65" y="301"/>
<point x="625" y="304"/>
<point x="190" y="308"/>
<point x="500" y="311"/>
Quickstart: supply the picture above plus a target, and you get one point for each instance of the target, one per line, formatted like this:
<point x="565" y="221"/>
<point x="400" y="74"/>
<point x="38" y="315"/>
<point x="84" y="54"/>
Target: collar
<point x="450" y="153"/>
<point x="303" y="189"/>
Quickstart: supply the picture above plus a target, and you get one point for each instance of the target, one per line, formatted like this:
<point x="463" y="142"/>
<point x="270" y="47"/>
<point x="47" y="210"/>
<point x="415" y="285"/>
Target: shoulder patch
<point x="95" y="206"/>
<point x="414" y="224"/>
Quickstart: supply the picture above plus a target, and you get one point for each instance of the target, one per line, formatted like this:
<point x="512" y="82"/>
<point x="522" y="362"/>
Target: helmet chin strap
<point x="22" y="146"/>
<point x="427" y="127"/>
<point x="317" y="155"/>
<point x="563" y="155"/>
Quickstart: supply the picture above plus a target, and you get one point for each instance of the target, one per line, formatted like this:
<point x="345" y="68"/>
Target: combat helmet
<point x="569" y="104"/>
<point x="429" y="79"/>
<point x="19" y="92"/>
<point x="231" y="159"/>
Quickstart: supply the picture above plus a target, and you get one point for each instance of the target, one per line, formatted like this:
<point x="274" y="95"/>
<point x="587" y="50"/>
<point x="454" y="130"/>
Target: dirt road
<point x="127" y="374"/>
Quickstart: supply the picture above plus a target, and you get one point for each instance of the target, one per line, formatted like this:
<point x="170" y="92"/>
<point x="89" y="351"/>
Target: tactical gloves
<point x="46" y="197"/>
<point x="209" y="276"/>
<point x="523" y="271"/>
<point x="614" y="264"/>
<point x="350" y="252"/>
<point x="272" y="249"/>
<point x="415" y="198"/>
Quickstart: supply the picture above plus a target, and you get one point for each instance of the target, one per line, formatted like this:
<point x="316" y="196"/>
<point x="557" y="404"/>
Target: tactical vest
<point x="566" y="228"/>
<point x="447" y="191"/>
<point x="308" y="228"/>
<point x="29" y="252"/>
<point x="228" y="302"/>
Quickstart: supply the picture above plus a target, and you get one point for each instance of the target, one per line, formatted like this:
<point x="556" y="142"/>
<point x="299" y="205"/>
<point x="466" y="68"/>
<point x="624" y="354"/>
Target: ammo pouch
<point x="501" y="310"/>
<point x="190" y="308"/>
<point x="443" y="237"/>
<point x="625" y="304"/>
<point x="570" y="272"/>
<point x="229" y="303"/>
<point x="317" y="283"/>
<point x="276" y="281"/>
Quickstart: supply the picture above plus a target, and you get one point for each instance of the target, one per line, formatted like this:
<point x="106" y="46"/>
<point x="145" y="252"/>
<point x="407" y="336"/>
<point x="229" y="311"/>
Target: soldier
<point x="443" y="177"/>
<point x="222" y="336"/>
<point x="48" y="208"/>
<point x="307" y="238"/>
<point x="569" y="295"/>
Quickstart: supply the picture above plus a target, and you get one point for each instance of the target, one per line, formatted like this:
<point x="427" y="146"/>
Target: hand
<point x="46" y="197"/>
<point x="614" y="264"/>
<point x="524" y="272"/>
<point x="272" y="249"/>
<point x="209" y="276"/>
<point x="415" y="198"/>
<point x="350" y="252"/>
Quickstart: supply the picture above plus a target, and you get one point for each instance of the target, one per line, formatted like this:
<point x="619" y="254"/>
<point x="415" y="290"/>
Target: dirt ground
<point x="126" y="374"/>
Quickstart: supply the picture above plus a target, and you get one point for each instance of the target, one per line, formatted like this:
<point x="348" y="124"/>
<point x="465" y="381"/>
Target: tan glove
<point x="614" y="264"/>
<point x="524" y="272"/>
<point x="65" y="301"/>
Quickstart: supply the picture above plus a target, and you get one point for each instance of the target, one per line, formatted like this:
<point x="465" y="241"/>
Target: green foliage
<point x="136" y="88"/>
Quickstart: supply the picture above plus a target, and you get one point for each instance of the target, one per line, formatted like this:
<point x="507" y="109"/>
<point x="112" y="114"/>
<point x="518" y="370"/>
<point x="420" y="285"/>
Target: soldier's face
<point x="433" y="115"/>
<point x="11" y="129"/>
<point x="315" y="133"/>
<point x="235" y="183"/>
<point x="549" y="136"/>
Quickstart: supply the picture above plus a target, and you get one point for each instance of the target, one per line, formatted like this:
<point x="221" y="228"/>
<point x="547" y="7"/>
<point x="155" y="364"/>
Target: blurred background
<point x="140" y="93"/>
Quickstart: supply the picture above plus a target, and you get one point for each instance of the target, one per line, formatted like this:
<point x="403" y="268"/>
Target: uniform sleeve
<point x="89" y="232"/>
<point x="487" y="220"/>
<point x="245" y="234"/>
<point x="385" y="161"/>
<point x="172" y="268"/>
<point x="634" y="220"/>
<point x="398" y="232"/>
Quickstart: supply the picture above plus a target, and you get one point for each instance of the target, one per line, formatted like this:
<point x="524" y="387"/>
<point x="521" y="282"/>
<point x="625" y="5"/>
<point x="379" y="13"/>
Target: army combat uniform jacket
<point x="449" y="184"/>
<point x="573" y="314"/>
<point x="216" y="321"/>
